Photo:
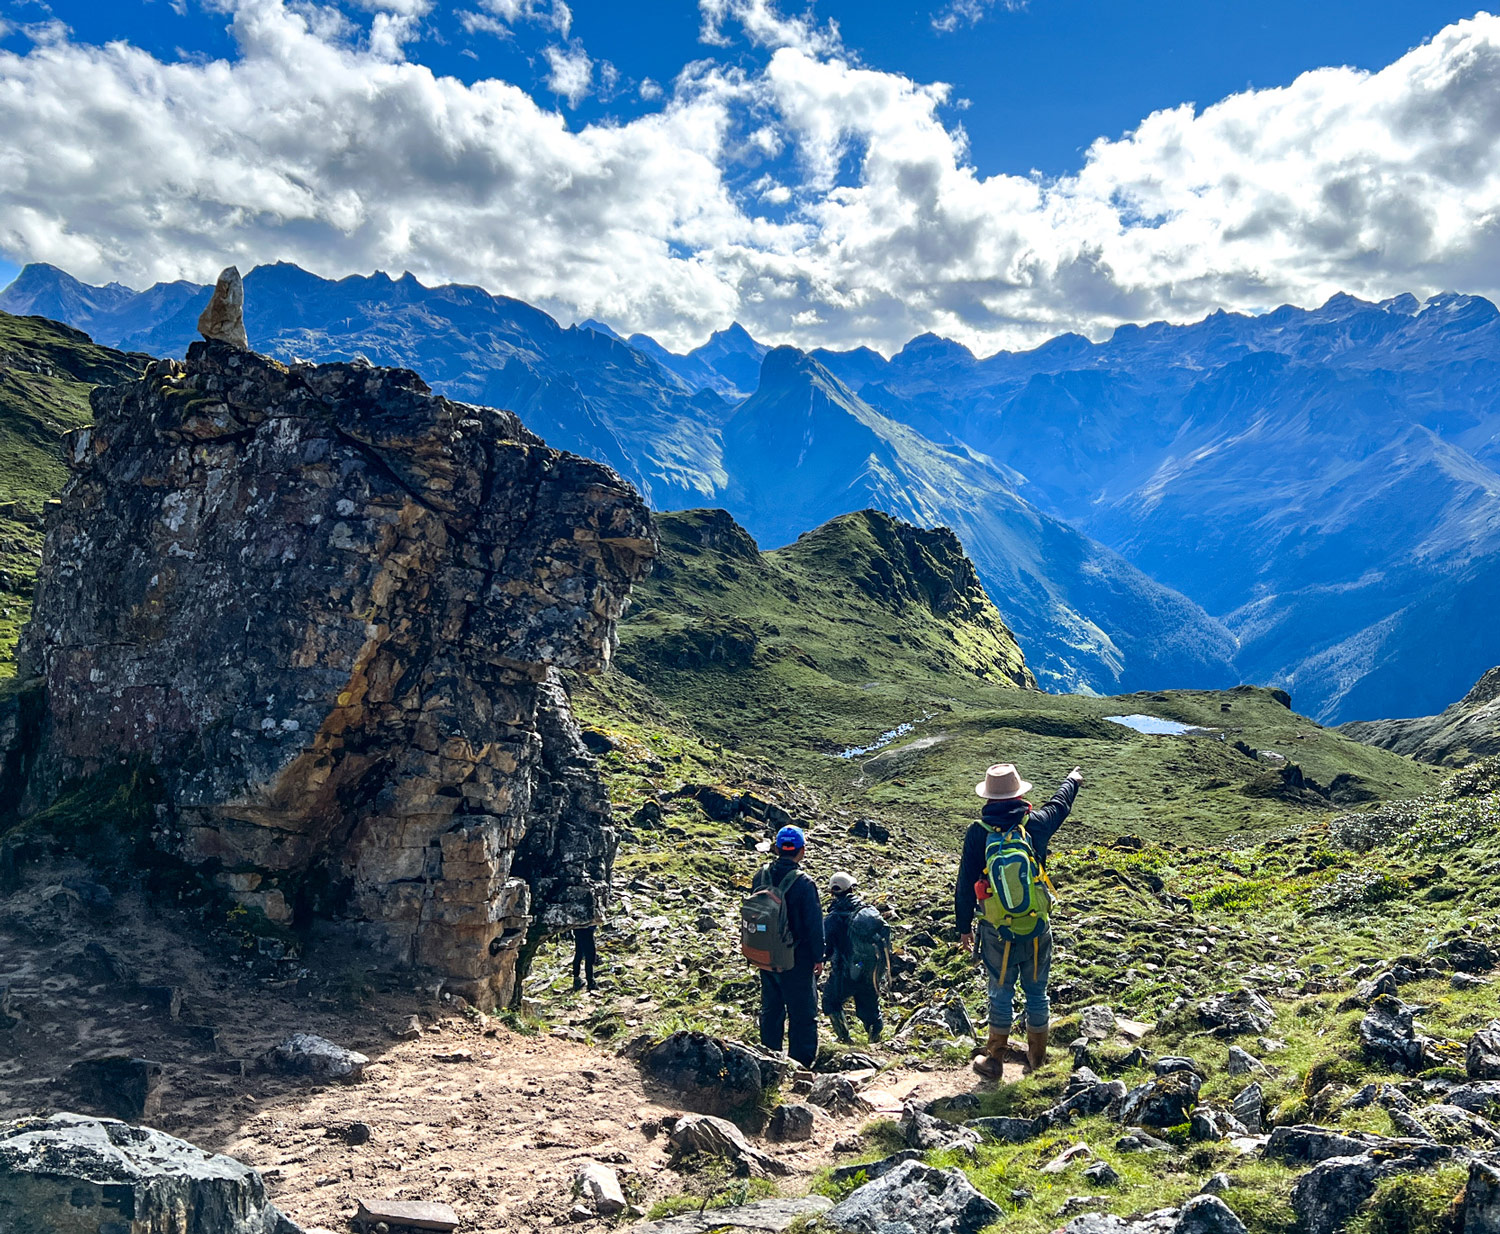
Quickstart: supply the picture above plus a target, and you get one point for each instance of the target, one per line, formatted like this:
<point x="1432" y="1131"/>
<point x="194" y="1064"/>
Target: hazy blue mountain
<point x="1321" y="480"/>
<point x="1323" y="483"/>
<point x="728" y="364"/>
<point x="804" y="448"/>
<point x="108" y="314"/>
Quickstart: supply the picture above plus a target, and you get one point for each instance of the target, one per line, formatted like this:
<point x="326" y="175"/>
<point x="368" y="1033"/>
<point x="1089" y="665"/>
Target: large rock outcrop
<point x="329" y="607"/>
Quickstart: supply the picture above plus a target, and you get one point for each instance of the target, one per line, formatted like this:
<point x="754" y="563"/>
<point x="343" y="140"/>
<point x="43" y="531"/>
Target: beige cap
<point x="842" y="882"/>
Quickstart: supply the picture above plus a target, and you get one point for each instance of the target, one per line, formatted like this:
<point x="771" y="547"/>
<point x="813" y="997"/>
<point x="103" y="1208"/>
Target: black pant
<point x="789" y="1002"/>
<point x="840" y="988"/>
<point x="585" y="955"/>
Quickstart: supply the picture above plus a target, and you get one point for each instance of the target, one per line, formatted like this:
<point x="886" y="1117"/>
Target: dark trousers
<point x="840" y="988"/>
<point x="585" y="955"/>
<point x="789" y="1003"/>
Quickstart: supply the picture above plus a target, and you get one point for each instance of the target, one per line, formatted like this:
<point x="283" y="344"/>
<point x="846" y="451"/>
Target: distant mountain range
<point x="1306" y="498"/>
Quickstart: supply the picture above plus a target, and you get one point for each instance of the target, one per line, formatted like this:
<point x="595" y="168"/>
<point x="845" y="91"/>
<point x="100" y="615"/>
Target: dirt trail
<point x="470" y="1113"/>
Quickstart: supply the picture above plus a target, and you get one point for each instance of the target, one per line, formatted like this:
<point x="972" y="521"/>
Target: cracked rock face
<point x="329" y="608"/>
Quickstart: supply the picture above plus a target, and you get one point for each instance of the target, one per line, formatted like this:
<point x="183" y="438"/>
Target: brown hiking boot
<point x="989" y="1059"/>
<point x="1036" y="1048"/>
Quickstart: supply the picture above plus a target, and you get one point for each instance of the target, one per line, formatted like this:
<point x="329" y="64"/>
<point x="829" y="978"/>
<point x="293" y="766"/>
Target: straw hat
<point x="1002" y="782"/>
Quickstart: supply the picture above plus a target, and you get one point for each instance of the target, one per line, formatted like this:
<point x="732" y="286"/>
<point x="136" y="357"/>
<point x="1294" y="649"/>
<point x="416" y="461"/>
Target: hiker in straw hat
<point x="1003" y="876"/>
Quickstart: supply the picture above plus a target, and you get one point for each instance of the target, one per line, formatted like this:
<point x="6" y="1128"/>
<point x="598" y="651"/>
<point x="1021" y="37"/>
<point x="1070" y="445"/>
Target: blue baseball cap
<point x="790" y="839"/>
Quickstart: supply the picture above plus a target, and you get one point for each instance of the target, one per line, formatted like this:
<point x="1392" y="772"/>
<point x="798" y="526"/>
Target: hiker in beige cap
<point x="1003" y="874"/>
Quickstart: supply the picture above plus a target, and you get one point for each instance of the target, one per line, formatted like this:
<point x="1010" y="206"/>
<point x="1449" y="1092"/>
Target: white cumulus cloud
<point x="816" y="200"/>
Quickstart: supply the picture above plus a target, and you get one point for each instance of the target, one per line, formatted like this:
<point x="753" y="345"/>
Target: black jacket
<point x="1040" y="828"/>
<point x="804" y="913"/>
<point x="841" y="910"/>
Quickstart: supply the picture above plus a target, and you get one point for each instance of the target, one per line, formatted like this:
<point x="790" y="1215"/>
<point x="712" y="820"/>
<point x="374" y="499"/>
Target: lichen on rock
<point x="330" y="608"/>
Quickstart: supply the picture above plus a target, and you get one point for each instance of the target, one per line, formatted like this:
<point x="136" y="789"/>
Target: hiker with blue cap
<point x="781" y="933"/>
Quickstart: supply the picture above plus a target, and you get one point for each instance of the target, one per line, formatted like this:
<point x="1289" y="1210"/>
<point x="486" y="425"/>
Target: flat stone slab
<point x="763" y="1217"/>
<point x="413" y="1214"/>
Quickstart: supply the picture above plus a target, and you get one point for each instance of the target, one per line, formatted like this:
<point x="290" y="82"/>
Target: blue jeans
<point x="1008" y="960"/>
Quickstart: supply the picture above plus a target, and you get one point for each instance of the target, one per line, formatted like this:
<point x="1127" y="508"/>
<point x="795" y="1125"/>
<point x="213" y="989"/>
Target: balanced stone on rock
<point x="69" y="1174"/>
<point x="223" y="320"/>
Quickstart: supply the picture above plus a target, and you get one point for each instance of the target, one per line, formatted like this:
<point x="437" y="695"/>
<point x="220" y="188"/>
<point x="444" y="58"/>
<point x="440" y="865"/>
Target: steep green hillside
<point x="46" y="372"/>
<point x="801" y="655"/>
<point x="1462" y="733"/>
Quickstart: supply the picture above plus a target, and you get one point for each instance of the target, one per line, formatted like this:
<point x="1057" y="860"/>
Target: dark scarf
<point x="1001" y="815"/>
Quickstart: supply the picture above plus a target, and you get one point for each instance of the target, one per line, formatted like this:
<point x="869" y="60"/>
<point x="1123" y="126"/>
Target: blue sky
<point x="1042" y="81"/>
<point x="846" y="173"/>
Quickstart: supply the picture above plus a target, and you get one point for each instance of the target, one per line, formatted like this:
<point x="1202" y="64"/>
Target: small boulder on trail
<point x="311" y="1055"/>
<point x="715" y="1137"/>
<point x="713" y="1075"/>
<point x="914" y="1199"/>
<point x="69" y="1172"/>
<point x="791" y="1121"/>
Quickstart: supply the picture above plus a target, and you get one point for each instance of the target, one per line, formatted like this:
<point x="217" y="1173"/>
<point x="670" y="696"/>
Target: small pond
<point x="1155" y="725"/>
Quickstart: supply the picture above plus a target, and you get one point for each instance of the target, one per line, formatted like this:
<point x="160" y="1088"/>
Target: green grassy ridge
<point x="796" y="654"/>
<point x="46" y="372"/>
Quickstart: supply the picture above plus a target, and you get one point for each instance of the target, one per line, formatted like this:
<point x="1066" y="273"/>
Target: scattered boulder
<point x="1097" y="1023"/>
<point x="763" y="1216"/>
<point x="923" y="1131"/>
<point x="1009" y="1130"/>
<point x="837" y="1095"/>
<point x="118" y="1086"/>
<point x="914" y="1199"/>
<point x="1481" y="1097"/>
<point x="311" y="1055"/>
<point x="1306" y="1144"/>
<point x="352" y="1133"/>
<point x="1207" y="1214"/>
<point x="1094" y="1099"/>
<point x="1482" y="1198"/>
<point x="1168" y="1063"/>
<point x="1242" y="1062"/>
<point x="1374" y="987"/>
<point x="600" y="1187"/>
<point x="1209" y="1124"/>
<point x="1164" y="1102"/>
<point x="712" y="1075"/>
<point x="1330" y="1193"/>
<point x="1069" y="1156"/>
<point x="1102" y="1174"/>
<point x="1249" y="1106"/>
<point x="791" y="1121"/>
<point x="1465" y="955"/>
<point x="715" y="1137"/>
<point x="424" y="1215"/>
<point x="875" y="1169"/>
<point x="68" y="1172"/>
<point x="1139" y="1140"/>
<point x="1229" y="1015"/>
<point x="1482" y="1058"/>
<point x="1448" y="1124"/>
<point x="1387" y="1035"/>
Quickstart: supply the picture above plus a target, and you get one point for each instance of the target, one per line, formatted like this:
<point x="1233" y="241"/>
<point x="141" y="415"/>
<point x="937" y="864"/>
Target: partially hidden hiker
<point x="856" y="949"/>
<point x="781" y="933"/>
<point x="585" y="956"/>
<point x="1003" y="874"/>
